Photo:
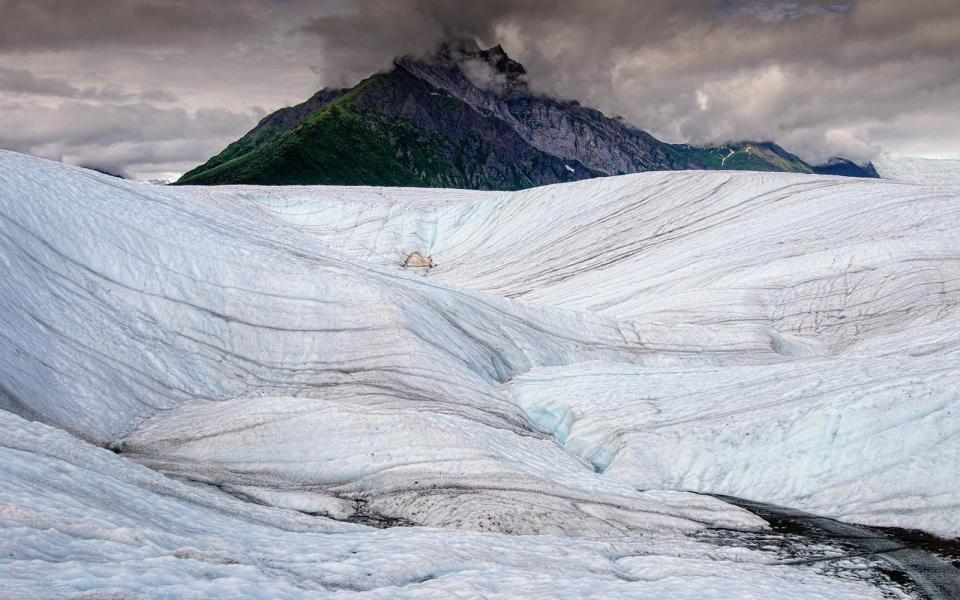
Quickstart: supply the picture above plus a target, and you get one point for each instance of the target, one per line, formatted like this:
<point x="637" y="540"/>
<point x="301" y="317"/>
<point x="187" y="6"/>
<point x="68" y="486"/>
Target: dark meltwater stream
<point x="915" y="561"/>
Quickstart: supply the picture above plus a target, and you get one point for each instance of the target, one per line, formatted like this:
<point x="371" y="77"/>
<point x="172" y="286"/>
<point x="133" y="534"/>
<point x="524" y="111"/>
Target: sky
<point x="150" y="88"/>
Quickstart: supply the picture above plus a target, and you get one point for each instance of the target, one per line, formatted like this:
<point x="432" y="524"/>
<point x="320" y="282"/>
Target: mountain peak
<point x="497" y="58"/>
<point x="490" y="69"/>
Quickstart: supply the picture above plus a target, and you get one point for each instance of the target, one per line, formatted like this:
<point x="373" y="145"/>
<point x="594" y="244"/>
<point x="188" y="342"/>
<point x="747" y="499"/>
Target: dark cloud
<point x="71" y="24"/>
<point x="850" y="77"/>
<point x="820" y="77"/>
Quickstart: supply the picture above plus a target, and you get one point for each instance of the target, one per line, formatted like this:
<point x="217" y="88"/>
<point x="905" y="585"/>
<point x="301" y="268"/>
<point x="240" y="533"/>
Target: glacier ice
<point x="926" y="171"/>
<point x="80" y="521"/>
<point x="537" y="414"/>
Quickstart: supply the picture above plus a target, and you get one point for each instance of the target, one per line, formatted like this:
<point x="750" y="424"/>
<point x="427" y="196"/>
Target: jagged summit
<point x="464" y="117"/>
<point x="457" y="65"/>
<point x="460" y="50"/>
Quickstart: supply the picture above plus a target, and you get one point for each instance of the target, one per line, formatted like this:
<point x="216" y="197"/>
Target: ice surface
<point x="80" y="520"/>
<point x="579" y="360"/>
<point x="928" y="171"/>
<point x="415" y="466"/>
<point x="824" y="258"/>
<point x="866" y="439"/>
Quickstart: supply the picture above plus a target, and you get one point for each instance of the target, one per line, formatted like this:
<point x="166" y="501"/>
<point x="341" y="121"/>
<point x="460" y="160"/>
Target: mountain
<point x="463" y="117"/>
<point x="846" y="168"/>
<point x="103" y="171"/>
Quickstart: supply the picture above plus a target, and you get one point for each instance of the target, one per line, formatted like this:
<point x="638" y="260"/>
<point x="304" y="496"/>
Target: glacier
<point x="242" y="392"/>
<point x="912" y="169"/>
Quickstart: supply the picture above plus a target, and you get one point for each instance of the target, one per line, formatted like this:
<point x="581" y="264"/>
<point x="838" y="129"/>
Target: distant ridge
<point x="846" y="168"/>
<point x="461" y="118"/>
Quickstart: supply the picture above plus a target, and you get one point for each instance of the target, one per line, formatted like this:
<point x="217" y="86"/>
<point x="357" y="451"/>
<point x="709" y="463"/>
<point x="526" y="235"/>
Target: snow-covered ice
<point x="866" y="439"/>
<point x="534" y="415"/>
<point x="81" y="520"/>
<point x="927" y="171"/>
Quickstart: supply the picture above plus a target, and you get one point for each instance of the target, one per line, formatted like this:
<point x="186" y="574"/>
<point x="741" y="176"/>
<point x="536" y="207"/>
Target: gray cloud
<point x="23" y="82"/>
<point x="160" y="85"/>
<point x="69" y="24"/>
<point x="147" y="88"/>
<point x="130" y="138"/>
<point x="820" y="77"/>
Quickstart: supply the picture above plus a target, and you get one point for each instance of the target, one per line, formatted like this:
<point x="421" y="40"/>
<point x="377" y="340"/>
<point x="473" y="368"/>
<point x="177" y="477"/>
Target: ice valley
<point x="243" y="392"/>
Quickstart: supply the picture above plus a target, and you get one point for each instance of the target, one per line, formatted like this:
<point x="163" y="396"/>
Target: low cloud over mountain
<point x="847" y="78"/>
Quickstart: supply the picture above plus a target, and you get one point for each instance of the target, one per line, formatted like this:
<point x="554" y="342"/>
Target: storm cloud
<point x="837" y="77"/>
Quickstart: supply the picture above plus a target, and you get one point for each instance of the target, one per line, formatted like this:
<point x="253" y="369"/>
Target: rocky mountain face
<point x="846" y="168"/>
<point x="462" y="118"/>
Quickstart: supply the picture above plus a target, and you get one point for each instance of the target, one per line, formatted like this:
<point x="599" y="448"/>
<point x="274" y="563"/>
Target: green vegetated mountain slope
<point x="388" y="130"/>
<point x="462" y="118"/>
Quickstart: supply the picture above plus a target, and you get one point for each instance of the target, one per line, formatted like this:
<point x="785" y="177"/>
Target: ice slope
<point x="131" y="299"/>
<point x="821" y="266"/>
<point x="175" y="321"/>
<point x="825" y="258"/>
<point x="79" y="521"/>
<point x="408" y="466"/>
<point x="123" y="301"/>
<point x="928" y="171"/>
<point x="573" y="343"/>
<point x="866" y="438"/>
